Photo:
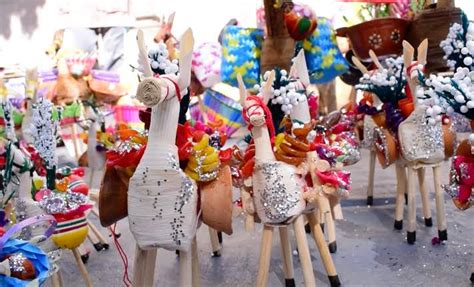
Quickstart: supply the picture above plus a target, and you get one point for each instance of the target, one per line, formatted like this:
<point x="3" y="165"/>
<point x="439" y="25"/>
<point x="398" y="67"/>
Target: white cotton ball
<point x="438" y="118"/>
<point x="291" y="86"/>
<point x="429" y="111"/>
<point x="431" y="121"/>
<point x="419" y="93"/>
<point x="256" y="86"/>
<point x="274" y="101"/>
<point x="284" y="108"/>
<point x="470" y="104"/>
<point x="470" y="45"/>
<point x="286" y="101"/>
<point x="154" y="64"/>
<point x="467" y="61"/>
<point x="294" y="101"/>
<point x="284" y="73"/>
<point x="464" y="51"/>
<point x="279" y="99"/>
<point x="290" y="107"/>
<point x="437" y="110"/>
<point x="277" y="92"/>
<point x="460" y="99"/>
<point x="450" y="110"/>
<point x="463" y="109"/>
<point x="302" y="98"/>
<point x="282" y="90"/>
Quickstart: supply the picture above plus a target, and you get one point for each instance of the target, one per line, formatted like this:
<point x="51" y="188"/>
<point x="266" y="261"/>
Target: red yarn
<point x="176" y="87"/>
<point x="123" y="256"/>
<point x="266" y="110"/>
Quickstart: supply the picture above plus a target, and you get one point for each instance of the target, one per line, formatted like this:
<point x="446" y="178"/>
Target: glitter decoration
<point x="281" y="193"/>
<point x="62" y="202"/>
<point x="17" y="262"/>
<point x="421" y="140"/>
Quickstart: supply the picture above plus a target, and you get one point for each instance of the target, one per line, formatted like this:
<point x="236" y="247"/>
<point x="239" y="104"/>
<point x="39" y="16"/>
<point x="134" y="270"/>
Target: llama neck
<point x="300" y="112"/>
<point x="164" y="123"/>
<point x="263" y="145"/>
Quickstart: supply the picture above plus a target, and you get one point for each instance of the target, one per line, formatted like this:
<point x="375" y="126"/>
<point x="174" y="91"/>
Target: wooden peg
<point x="411" y="231"/>
<point x="265" y="256"/>
<point x="359" y="65"/>
<point x="144" y="267"/>
<point x="376" y="61"/>
<point x="425" y="201"/>
<point x="195" y="264"/>
<point x="185" y="268"/>
<point x="400" y="199"/>
<point x="440" y="212"/>
<point x="82" y="267"/>
<point x="303" y="252"/>
<point x="287" y="256"/>
<point x="370" y="187"/>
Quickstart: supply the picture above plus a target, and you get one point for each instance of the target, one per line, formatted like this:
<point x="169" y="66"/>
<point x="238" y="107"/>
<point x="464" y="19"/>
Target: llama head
<point x="255" y="110"/>
<point x="154" y="90"/>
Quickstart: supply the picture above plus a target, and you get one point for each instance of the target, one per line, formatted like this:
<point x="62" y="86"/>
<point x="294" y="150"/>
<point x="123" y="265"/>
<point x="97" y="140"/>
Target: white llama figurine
<point x="278" y="195"/>
<point x="162" y="199"/>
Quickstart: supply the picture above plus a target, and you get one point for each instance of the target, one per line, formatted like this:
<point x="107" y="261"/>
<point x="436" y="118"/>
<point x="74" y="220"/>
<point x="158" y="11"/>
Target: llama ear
<point x="242" y="90"/>
<point x="143" y="60"/>
<point x="408" y="52"/>
<point x="299" y="68"/>
<point x="267" y="88"/>
<point x="422" y="52"/>
<point x="170" y="20"/>
<point x="186" y="45"/>
<point x="359" y="65"/>
<point x="374" y="58"/>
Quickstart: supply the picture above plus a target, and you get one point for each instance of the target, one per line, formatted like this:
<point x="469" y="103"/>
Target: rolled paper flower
<point x="149" y="92"/>
<point x="21" y="267"/>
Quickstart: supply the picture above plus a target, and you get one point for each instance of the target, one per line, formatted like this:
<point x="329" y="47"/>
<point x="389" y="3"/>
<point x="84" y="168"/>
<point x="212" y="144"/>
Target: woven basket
<point x="433" y="24"/>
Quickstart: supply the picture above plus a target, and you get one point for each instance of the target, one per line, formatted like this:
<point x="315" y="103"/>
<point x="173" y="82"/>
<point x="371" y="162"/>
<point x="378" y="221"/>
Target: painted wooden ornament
<point x="300" y="22"/>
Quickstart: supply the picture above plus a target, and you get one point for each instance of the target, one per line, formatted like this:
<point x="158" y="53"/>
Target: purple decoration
<point x="393" y="116"/>
<point x="3" y="216"/>
<point x="366" y="109"/>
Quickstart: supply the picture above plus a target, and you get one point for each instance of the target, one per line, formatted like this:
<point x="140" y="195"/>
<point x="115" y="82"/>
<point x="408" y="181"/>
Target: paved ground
<point x="370" y="252"/>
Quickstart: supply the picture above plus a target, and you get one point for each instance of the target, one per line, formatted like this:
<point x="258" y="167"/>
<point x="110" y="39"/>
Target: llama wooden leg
<point x="249" y="219"/>
<point x="74" y="141"/>
<point x="265" y="256"/>
<point x="285" y="245"/>
<point x="425" y="200"/>
<point x="216" y="247"/>
<point x="82" y="267"/>
<point x="370" y="187"/>
<point x="144" y="267"/>
<point x="440" y="213"/>
<point x="326" y="258"/>
<point x="195" y="265"/>
<point x="400" y="199"/>
<point x="330" y="227"/>
<point x="303" y="251"/>
<point x="97" y="232"/>
<point x="185" y="268"/>
<point x="56" y="279"/>
<point x="411" y="231"/>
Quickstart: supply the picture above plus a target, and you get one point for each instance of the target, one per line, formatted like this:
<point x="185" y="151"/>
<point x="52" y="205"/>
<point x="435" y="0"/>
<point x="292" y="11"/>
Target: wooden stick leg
<point x="411" y="231"/>
<point x="185" y="268"/>
<point x="95" y="212"/>
<point x="400" y="199"/>
<point x="440" y="213"/>
<point x="144" y="267"/>
<point x="96" y="231"/>
<point x="370" y="187"/>
<point x="74" y="141"/>
<point x="216" y="247"/>
<point x="82" y="267"/>
<point x="285" y="245"/>
<point x="330" y="226"/>
<point x="56" y="279"/>
<point x="265" y="256"/>
<point x="195" y="265"/>
<point x="326" y="258"/>
<point x="425" y="201"/>
<point x="303" y="251"/>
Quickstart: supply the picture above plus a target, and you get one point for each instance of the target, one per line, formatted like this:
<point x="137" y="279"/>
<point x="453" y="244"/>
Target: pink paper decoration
<point x="207" y="64"/>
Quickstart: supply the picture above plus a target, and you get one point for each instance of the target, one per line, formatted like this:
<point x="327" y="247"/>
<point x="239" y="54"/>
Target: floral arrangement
<point x="387" y="83"/>
<point x="286" y="91"/>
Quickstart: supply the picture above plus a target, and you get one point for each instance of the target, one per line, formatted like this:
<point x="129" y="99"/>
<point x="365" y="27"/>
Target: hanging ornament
<point x="300" y="21"/>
